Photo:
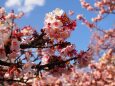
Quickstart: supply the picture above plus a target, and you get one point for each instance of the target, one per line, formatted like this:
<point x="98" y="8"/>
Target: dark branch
<point x="53" y="64"/>
<point x="23" y="46"/>
<point x="40" y="67"/>
<point x="11" y="80"/>
<point x="4" y="63"/>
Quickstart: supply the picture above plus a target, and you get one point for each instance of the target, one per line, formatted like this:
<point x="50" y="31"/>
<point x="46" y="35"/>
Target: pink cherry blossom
<point x="15" y="45"/>
<point x="29" y="58"/>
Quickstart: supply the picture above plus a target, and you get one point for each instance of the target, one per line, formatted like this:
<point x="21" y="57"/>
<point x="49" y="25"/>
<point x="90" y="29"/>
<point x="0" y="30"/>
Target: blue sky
<point x="35" y="13"/>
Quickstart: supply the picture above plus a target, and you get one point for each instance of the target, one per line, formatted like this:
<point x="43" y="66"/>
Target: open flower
<point x="15" y="45"/>
<point x="58" y="12"/>
<point x="69" y="49"/>
<point x="50" y="18"/>
<point x="27" y="30"/>
<point x="45" y="59"/>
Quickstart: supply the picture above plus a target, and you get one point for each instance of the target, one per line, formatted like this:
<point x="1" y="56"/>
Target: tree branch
<point x="11" y="80"/>
<point x="23" y="46"/>
<point x="53" y="64"/>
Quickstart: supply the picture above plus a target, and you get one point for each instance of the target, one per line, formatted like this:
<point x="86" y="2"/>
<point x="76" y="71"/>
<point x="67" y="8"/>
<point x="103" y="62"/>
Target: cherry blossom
<point x="71" y="12"/>
<point x="27" y="30"/>
<point x="55" y="24"/>
<point x="29" y="58"/>
<point x="15" y="45"/>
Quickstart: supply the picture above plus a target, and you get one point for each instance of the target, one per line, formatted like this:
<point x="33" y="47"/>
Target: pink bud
<point x="79" y="17"/>
<point x="20" y="15"/>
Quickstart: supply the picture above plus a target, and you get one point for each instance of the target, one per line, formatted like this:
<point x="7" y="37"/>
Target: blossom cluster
<point x="11" y="38"/>
<point x="69" y="51"/>
<point x="11" y="35"/>
<point x="100" y="6"/>
<point x="101" y="41"/>
<point x="105" y="6"/>
<point x="28" y="58"/>
<point x="7" y="26"/>
<point x="76" y="77"/>
<point x="86" y="5"/>
<point x="58" y="26"/>
<point x="85" y="21"/>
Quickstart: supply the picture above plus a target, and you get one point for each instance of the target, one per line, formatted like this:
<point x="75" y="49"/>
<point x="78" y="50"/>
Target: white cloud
<point x="26" y="9"/>
<point x="24" y="5"/>
<point x="34" y="2"/>
<point x="12" y="3"/>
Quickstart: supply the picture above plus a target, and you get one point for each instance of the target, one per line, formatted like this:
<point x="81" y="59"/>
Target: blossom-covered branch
<point x="31" y="58"/>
